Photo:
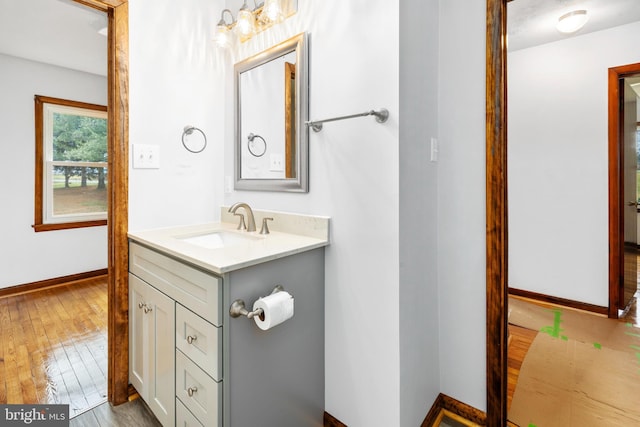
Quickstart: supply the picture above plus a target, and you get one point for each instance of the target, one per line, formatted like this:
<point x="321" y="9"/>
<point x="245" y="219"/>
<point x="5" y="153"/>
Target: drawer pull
<point x="191" y="338"/>
<point x="191" y="391"/>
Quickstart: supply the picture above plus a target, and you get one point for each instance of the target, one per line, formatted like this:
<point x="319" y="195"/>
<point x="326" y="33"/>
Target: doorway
<point x="117" y="101"/>
<point x="624" y="89"/>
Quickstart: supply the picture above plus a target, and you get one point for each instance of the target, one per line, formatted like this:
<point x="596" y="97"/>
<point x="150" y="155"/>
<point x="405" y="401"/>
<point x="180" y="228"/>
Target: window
<point x="71" y="164"/>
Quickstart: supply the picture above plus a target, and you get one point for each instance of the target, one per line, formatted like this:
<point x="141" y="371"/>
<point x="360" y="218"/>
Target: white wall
<point x="419" y="323"/>
<point x="558" y="163"/>
<point x="175" y="80"/>
<point x="27" y="256"/>
<point x="461" y="200"/>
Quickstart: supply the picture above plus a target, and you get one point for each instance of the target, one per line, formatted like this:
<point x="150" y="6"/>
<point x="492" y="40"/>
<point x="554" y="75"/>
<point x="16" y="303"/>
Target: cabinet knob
<point x="191" y="338"/>
<point x="147" y="308"/>
<point x="191" y="391"/>
<point x="141" y="304"/>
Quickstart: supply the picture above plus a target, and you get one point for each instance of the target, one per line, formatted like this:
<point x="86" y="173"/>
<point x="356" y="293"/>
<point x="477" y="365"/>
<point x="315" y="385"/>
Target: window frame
<point x="41" y="221"/>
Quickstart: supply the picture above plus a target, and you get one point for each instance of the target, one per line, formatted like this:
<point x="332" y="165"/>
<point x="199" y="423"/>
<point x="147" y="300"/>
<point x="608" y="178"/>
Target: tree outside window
<point x="71" y="164"/>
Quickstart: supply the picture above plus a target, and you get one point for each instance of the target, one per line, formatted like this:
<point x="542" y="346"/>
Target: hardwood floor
<point x="520" y="341"/>
<point x="53" y="346"/>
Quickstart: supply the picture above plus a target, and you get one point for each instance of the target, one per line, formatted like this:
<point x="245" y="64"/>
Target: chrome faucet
<point x="251" y="222"/>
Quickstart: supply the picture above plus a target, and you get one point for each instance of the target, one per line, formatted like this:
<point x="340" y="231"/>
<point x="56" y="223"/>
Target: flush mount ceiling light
<point x="249" y="21"/>
<point x="572" y="21"/>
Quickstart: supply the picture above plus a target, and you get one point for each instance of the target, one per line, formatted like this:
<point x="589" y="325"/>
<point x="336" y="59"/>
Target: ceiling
<point x="532" y="22"/>
<point x="58" y="32"/>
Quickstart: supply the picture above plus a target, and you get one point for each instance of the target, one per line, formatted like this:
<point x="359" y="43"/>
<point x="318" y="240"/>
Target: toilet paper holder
<point x="238" y="307"/>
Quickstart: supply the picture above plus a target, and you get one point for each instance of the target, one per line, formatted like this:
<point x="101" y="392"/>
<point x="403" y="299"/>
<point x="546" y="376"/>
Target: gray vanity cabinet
<point x="222" y="371"/>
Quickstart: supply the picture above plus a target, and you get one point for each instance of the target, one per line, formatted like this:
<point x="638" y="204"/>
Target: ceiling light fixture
<point x="572" y="21"/>
<point x="248" y="23"/>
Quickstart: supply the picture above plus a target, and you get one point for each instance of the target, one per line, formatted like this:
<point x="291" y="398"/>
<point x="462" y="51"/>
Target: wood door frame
<point x="496" y="215"/>
<point x="118" y="211"/>
<point x="616" y="198"/>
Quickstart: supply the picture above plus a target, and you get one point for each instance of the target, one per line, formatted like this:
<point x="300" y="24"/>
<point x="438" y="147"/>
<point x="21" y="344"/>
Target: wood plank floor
<point x="53" y="346"/>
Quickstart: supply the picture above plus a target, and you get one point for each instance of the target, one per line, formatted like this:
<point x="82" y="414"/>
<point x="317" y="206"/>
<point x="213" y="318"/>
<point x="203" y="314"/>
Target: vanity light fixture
<point x="249" y="21"/>
<point x="223" y="35"/>
<point x="572" y="21"/>
<point x="246" y="22"/>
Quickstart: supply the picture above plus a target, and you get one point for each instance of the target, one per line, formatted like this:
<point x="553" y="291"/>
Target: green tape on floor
<point x="554" y="330"/>
<point x="597" y="345"/>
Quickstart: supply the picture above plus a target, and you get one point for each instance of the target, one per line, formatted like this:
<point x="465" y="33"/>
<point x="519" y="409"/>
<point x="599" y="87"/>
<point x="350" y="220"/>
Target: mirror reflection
<point x="559" y="195"/>
<point x="271" y="108"/>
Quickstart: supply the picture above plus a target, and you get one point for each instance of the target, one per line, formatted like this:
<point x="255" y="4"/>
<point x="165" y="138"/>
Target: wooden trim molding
<point x="49" y="283"/>
<point x="117" y="227"/>
<point x="559" y="301"/>
<point x="330" y="421"/>
<point x="616" y="209"/>
<point x="454" y="406"/>
<point x="496" y="215"/>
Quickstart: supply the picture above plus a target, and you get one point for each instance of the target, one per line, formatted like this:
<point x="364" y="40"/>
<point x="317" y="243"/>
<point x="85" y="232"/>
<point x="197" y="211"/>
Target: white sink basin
<point x="219" y="239"/>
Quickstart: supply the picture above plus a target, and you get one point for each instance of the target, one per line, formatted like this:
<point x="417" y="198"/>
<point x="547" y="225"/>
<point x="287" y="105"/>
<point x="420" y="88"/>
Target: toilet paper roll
<point x="276" y="308"/>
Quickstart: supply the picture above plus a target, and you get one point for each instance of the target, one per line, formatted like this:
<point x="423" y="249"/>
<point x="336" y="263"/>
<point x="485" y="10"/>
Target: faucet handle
<point x="265" y="228"/>
<point x="241" y="225"/>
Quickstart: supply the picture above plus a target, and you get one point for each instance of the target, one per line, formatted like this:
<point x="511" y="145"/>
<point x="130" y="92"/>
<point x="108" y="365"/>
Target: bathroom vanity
<point x="196" y="365"/>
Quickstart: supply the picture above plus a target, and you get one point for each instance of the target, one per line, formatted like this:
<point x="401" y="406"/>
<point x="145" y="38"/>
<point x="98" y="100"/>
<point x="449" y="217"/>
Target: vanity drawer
<point x="184" y="418"/>
<point x="198" y="391"/>
<point x="200" y="341"/>
<point x="194" y="288"/>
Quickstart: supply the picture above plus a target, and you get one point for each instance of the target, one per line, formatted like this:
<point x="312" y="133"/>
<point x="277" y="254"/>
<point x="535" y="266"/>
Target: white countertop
<point x="254" y="249"/>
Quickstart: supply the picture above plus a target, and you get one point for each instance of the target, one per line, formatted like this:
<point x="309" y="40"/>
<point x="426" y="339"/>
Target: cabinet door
<point x="138" y="337"/>
<point x="152" y="348"/>
<point x="161" y="318"/>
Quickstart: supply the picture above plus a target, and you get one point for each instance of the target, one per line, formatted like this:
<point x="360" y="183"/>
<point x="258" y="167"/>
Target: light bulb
<point x="245" y="24"/>
<point x="271" y="12"/>
<point x="223" y="36"/>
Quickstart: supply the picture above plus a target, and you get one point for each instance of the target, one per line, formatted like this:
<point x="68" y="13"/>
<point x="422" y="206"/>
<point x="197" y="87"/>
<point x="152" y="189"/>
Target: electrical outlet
<point x="276" y="163"/>
<point x="146" y="156"/>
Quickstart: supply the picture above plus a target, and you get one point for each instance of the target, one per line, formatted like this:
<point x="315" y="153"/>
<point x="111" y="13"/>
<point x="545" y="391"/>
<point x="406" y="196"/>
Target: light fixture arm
<point x="223" y="22"/>
<point x="257" y="5"/>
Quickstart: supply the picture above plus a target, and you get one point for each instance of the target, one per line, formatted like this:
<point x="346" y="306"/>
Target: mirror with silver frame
<point x="271" y="110"/>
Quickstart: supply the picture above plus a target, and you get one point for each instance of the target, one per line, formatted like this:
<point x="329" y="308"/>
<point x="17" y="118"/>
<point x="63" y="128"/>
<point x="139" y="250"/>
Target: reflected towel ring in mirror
<point x="188" y="130"/>
<point x="251" y="145"/>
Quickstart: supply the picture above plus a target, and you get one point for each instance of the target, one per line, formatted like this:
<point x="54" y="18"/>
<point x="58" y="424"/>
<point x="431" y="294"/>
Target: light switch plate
<point x="146" y="156"/>
<point x="276" y="163"/>
<point x="434" y="149"/>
